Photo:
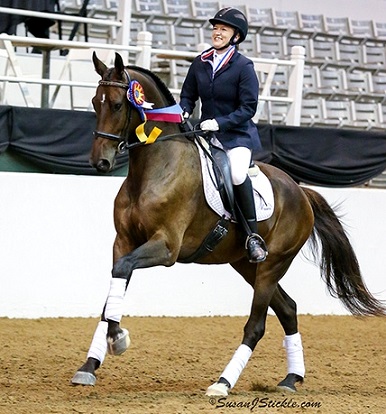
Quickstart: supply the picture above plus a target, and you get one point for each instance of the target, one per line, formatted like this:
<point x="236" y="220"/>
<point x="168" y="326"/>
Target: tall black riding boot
<point x="257" y="250"/>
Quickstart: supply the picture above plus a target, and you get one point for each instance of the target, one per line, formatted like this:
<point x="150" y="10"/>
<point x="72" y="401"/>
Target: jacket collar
<point x="208" y="56"/>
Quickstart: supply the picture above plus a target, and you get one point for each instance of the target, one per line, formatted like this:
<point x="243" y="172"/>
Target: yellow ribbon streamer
<point x="154" y="134"/>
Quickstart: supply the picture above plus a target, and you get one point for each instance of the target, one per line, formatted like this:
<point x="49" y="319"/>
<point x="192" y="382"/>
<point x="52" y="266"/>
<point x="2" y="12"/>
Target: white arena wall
<point x="56" y="236"/>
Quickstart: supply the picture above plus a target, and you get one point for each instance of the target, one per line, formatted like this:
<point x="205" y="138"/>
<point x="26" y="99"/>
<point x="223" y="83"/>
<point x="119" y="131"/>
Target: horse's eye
<point x="93" y="102"/>
<point x="117" y="107"/>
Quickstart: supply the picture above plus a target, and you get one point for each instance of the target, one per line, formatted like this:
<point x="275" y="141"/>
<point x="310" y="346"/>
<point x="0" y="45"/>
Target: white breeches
<point x="240" y="160"/>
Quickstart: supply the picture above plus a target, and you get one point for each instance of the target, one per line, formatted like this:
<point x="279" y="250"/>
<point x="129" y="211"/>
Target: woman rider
<point x="227" y="85"/>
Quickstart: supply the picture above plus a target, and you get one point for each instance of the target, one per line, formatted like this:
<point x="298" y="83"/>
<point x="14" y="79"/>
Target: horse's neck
<point x="162" y="161"/>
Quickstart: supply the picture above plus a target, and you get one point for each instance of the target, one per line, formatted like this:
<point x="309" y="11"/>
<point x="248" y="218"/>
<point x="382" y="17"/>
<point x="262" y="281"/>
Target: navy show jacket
<point x="230" y="97"/>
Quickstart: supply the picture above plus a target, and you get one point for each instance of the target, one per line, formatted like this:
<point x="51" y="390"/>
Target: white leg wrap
<point x="114" y="304"/>
<point x="98" y="347"/>
<point x="237" y="364"/>
<point x="294" y="350"/>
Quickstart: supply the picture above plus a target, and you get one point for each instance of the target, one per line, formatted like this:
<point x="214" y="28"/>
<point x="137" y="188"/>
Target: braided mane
<point x="159" y="82"/>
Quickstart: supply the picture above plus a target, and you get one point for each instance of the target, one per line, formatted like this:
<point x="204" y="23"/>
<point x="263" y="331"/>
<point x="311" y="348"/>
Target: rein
<point x="124" y="146"/>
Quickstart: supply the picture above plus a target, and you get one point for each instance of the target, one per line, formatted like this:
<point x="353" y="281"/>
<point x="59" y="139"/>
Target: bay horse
<point x="161" y="217"/>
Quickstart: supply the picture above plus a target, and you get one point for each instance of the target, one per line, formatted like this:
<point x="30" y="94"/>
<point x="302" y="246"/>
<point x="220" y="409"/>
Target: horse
<point x="161" y="217"/>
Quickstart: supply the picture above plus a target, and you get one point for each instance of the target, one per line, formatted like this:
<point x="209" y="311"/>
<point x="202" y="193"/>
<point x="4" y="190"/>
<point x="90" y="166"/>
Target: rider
<point x="227" y="85"/>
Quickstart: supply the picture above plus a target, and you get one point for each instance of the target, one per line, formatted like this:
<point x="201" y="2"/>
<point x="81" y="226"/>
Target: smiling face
<point x="221" y="35"/>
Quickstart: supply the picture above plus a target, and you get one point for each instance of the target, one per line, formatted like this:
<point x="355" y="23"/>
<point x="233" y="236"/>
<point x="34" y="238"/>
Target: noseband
<point x="122" y="140"/>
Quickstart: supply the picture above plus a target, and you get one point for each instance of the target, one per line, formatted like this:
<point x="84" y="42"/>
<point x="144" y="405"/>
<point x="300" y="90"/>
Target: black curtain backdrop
<point x="325" y="156"/>
<point x="59" y="141"/>
<point x="8" y="22"/>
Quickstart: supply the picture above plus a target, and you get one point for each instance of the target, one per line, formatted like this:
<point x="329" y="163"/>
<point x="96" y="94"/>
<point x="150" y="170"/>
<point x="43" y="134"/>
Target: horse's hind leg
<point x="264" y="288"/>
<point x="285" y="309"/>
<point x="266" y="293"/>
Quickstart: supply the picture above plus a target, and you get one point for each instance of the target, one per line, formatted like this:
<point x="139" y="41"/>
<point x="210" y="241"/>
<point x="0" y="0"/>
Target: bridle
<point x="122" y="140"/>
<point x="123" y="144"/>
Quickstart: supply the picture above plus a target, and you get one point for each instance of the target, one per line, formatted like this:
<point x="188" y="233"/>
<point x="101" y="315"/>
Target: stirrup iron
<point x="257" y="238"/>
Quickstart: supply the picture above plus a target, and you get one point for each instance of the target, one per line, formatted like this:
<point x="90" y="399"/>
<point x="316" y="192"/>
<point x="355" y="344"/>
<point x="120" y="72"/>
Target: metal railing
<point x="143" y="54"/>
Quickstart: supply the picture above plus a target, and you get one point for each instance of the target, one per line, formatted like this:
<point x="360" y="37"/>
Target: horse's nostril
<point x="103" y="165"/>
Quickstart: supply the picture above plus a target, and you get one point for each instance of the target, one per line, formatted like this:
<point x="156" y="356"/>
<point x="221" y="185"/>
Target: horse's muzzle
<point x="102" y="165"/>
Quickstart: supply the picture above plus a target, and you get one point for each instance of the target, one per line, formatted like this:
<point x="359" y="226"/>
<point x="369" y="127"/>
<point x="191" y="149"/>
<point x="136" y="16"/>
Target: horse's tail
<point x="339" y="265"/>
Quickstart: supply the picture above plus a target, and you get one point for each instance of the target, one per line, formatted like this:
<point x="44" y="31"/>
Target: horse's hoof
<point x="288" y="383"/>
<point x="83" y="378"/>
<point x="120" y="344"/>
<point x="218" y="389"/>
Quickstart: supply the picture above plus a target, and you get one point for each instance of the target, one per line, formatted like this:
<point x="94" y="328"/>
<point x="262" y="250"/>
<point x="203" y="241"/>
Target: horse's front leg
<point x="152" y="253"/>
<point x="109" y="336"/>
<point x="95" y="357"/>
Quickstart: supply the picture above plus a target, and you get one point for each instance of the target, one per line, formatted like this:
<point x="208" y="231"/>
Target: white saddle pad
<point x="264" y="198"/>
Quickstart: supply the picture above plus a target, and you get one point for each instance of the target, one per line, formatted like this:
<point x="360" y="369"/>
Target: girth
<point x="210" y="241"/>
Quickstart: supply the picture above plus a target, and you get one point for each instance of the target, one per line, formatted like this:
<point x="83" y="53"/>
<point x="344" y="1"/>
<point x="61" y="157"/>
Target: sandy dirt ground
<point x="172" y="361"/>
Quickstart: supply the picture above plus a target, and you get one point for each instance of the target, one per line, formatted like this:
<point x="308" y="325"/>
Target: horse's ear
<point x="100" y="67"/>
<point x="118" y="63"/>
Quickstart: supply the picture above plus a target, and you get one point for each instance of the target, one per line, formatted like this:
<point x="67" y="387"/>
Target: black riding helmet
<point x="234" y="18"/>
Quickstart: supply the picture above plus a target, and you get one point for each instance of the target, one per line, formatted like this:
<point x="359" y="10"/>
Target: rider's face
<point x="221" y="35"/>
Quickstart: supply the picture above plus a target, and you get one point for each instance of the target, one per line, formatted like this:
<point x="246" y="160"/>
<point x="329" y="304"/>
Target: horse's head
<point x="111" y="109"/>
<point x="124" y="99"/>
<point x="117" y="118"/>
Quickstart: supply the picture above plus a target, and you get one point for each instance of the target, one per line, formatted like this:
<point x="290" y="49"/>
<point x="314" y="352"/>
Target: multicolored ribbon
<point x="136" y="96"/>
<point x="168" y="114"/>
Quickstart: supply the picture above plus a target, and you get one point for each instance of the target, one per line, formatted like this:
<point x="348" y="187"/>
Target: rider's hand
<point x="185" y="115"/>
<point x="209" y="125"/>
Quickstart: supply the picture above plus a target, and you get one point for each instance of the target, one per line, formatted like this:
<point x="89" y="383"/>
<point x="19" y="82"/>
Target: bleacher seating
<point x="97" y="9"/>
<point x="380" y="30"/>
<point x="378" y="87"/>
<point x="338" y="26"/>
<point x="312" y="112"/>
<point x="311" y="23"/>
<point x="344" y="75"/>
<point x="337" y="114"/>
<point x="204" y="9"/>
<point x="147" y="9"/>
<point x="260" y="18"/>
<point x="344" y="84"/>
<point x="366" y="115"/>
<point x="357" y="85"/>
<point x="374" y="56"/>
<point x="178" y="8"/>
